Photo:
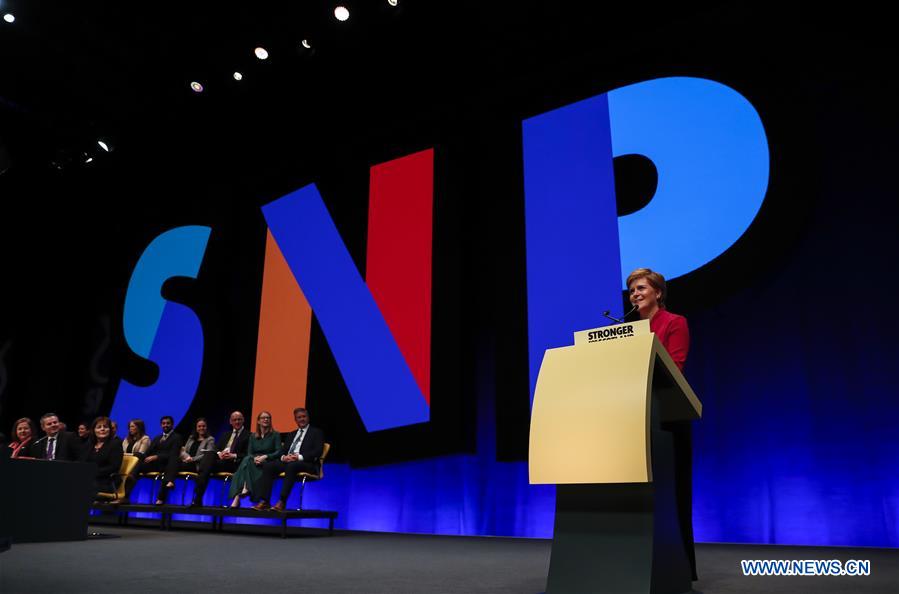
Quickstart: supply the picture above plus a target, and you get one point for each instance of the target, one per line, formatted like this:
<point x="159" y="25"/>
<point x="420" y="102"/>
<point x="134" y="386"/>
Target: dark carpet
<point x="149" y="560"/>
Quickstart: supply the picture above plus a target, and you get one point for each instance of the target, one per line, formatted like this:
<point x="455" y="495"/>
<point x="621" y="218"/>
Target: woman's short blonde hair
<point x="655" y="280"/>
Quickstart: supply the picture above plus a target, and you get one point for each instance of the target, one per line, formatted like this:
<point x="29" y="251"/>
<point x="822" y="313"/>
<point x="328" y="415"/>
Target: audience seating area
<point x="216" y="514"/>
<point x="117" y="502"/>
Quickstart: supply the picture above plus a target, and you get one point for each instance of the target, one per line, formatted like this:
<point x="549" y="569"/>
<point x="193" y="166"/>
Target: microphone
<point x="613" y="318"/>
<point x="607" y="313"/>
<point x="37" y="441"/>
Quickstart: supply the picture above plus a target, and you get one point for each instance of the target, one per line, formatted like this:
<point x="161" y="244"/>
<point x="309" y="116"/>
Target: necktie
<point x="51" y="448"/>
<point x="296" y="441"/>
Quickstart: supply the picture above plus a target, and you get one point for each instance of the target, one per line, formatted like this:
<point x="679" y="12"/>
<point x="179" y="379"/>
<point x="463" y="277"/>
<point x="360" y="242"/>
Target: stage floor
<point x="145" y="559"/>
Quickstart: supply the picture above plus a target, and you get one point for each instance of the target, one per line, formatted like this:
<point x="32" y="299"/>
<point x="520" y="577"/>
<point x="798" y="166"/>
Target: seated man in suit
<point x="57" y="444"/>
<point x="162" y="448"/>
<point x="300" y="453"/>
<point x="231" y="446"/>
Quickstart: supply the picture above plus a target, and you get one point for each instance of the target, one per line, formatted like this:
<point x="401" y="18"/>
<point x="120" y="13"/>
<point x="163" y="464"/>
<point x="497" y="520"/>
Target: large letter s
<point x="167" y="333"/>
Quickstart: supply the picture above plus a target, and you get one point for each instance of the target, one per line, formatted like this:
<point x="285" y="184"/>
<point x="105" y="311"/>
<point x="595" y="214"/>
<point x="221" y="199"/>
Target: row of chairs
<point x="125" y="477"/>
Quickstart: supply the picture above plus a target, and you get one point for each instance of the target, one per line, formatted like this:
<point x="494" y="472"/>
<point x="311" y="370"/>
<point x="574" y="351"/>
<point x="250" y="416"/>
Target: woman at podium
<point x="647" y="291"/>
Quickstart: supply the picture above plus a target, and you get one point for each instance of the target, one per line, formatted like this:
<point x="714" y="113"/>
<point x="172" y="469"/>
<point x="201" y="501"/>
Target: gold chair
<point x="187" y="475"/>
<point x="226" y="478"/>
<point x="309" y="477"/>
<point x="155" y="475"/>
<point x="129" y="463"/>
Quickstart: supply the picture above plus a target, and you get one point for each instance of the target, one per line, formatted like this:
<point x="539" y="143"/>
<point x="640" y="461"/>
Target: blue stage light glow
<point x="460" y="495"/>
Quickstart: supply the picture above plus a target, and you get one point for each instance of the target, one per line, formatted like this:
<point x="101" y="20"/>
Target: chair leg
<point x="187" y="480"/>
<point x="225" y="492"/>
<point x="154" y="490"/>
<point x="302" y="490"/>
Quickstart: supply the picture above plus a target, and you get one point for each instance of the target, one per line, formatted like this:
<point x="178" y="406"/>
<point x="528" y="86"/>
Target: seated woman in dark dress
<point x="104" y="451"/>
<point x="265" y="445"/>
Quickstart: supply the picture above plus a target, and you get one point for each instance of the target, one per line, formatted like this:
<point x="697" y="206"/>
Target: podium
<point x="45" y="501"/>
<point x="602" y="429"/>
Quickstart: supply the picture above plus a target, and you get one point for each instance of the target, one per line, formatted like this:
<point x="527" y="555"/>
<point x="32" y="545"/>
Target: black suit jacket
<point x="108" y="458"/>
<point x="68" y="447"/>
<point x="165" y="449"/>
<point x="243" y="442"/>
<point x="313" y="444"/>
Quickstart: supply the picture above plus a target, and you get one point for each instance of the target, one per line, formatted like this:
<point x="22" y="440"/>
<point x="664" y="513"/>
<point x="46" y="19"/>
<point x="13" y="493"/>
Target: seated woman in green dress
<point x="265" y="444"/>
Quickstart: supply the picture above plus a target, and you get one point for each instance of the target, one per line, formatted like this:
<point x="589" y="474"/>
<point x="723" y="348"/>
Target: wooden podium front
<point x="597" y="433"/>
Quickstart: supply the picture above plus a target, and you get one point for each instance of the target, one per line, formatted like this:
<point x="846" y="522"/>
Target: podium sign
<point x="616" y="332"/>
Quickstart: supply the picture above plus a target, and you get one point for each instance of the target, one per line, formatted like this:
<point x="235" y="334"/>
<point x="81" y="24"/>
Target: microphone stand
<point x="607" y="313"/>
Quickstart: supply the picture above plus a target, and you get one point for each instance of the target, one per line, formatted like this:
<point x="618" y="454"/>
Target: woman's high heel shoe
<point x="236" y="501"/>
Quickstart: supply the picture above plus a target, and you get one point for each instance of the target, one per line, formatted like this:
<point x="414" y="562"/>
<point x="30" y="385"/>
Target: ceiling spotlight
<point x="341" y="13"/>
<point x="261" y="53"/>
<point x="103" y="145"/>
<point x="89" y="159"/>
<point x="305" y="43"/>
<point x="393" y="2"/>
<point x="9" y="18"/>
<point x="238" y="76"/>
<point x="196" y="87"/>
